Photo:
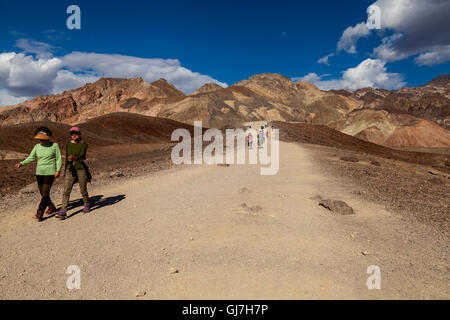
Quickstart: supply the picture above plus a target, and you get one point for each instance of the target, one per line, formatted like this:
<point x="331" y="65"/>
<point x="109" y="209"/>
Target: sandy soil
<point x="280" y="245"/>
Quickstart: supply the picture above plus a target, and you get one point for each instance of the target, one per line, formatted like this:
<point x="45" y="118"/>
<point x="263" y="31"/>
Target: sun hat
<point x="41" y="135"/>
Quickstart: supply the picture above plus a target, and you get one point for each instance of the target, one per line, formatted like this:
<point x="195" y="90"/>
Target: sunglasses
<point x="74" y="133"/>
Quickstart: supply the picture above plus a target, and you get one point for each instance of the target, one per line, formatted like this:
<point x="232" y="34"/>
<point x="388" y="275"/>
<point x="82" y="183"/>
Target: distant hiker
<point x="267" y="133"/>
<point x="48" y="168"/>
<point x="261" y="138"/>
<point x="75" y="171"/>
<point x="250" y="140"/>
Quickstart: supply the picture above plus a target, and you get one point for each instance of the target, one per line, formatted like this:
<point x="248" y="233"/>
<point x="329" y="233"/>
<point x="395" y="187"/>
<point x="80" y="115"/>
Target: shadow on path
<point x="97" y="202"/>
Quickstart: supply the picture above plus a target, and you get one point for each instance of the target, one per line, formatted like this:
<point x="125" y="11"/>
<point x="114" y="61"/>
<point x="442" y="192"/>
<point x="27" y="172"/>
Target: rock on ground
<point x="337" y="206"/>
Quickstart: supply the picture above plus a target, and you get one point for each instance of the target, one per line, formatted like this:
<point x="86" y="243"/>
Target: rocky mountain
<point x="104" y="96"/>
<point x="394" y="129"/>
<point x="209" y="87"/>
<point x="430" y="101"/>
<point x="409" y="117"/>
<point x="262" y="97"/>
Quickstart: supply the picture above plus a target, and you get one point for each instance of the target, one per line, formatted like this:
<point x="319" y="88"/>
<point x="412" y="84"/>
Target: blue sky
<point x="194" y="42"/>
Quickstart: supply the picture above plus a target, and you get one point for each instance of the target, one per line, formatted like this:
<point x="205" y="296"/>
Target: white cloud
<point x="418" y="26"/>
<point x="41" y="49"/>
<point x="7" y="100"/>
<point x="324" y="60"/>
<point x="387" y="52"/>
<point x="350" y="37"/>
<point x="369" y="73"/>
<point x="310" y="77"/>
<point x="25" y="76"/>
<point x="436" y="55"/>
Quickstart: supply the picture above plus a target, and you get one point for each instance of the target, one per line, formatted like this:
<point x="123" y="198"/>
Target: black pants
<point x="45" y="184"/>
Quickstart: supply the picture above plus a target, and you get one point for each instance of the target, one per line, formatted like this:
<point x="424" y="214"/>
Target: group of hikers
<point x="261" y="136"/>
<point x="49" y="163"/>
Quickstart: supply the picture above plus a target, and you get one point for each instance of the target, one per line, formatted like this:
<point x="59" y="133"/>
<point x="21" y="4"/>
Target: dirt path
<point x="281" y="245"/>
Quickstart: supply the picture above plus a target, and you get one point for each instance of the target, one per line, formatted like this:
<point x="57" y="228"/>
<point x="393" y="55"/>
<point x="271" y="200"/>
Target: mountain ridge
<point x="370" y="113"/>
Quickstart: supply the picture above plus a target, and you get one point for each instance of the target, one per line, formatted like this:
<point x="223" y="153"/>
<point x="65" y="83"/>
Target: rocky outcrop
<point x="394" y="130"/>
<point x="209" y="87"/>
<point x="430" y="102"/>
<point x="104" y="96"/>
<point x="263" y="97"/>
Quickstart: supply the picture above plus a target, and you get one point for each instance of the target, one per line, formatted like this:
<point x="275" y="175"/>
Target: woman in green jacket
<point x="48" y="168"/>
<point x="76" y="171"/>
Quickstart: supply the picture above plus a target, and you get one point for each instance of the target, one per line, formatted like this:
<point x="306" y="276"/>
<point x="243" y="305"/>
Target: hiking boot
<point x="39" y="215"/>
<point x="61" y="215"/>
<point x="86" y="209"/>
<point x="50" y="210"/>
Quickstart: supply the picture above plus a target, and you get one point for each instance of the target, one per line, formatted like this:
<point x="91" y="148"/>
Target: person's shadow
<point x="97" y="202"/>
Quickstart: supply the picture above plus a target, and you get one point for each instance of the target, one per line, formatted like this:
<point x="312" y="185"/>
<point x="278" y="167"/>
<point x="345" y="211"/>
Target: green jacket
<point x="48" y="158"/>
<point x="76" y="149"/>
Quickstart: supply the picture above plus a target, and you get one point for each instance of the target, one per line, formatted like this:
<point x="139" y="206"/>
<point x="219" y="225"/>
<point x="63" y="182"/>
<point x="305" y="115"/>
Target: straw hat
<point x="41" y="135"/>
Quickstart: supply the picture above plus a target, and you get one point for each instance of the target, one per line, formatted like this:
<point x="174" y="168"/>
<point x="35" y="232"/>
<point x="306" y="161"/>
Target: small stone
<point x="254" y="209"/>
<point x="223" y="165"/>
<point x="244" y="190"/>
<point x="365" y="253"/>
<point x="350" y="159"/>
<point x="115" y="173"/>
<point x="434" y="173"/>
<point x="140" y="294"/>
<point x="375" y="163"/>
<point x="173" y="270"/>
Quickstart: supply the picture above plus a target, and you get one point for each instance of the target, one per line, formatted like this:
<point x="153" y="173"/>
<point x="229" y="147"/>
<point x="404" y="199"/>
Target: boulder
<point x="337" y="206"/>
